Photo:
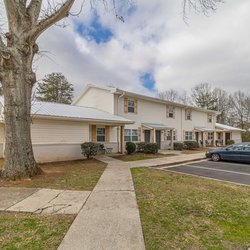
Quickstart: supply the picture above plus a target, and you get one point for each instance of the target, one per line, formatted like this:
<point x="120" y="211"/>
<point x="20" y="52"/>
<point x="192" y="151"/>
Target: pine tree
<point x="55" y="88"/>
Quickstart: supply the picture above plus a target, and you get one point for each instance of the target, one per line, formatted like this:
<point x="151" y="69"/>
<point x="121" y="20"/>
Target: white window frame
<point x="209" y="118"/>
<point x="188" y="114"/>
<point x="210" y="135"/>
<point x="168" y="138"/>
<point x="170" y="111"/>
<point x="100" y="134"/>
<point x="131" y="105"/>
<point x="188" y="135"/>
<point x="131" y="134"/>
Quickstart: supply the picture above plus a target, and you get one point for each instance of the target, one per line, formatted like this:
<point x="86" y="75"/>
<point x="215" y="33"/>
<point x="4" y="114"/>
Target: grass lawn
<point x="185" y="212"/>
<point x="26" y="231"/>
<point x="139" y="156"/>
<point x="72" y="175"/>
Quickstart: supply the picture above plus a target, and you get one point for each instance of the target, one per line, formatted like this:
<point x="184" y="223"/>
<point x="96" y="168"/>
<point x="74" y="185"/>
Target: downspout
<point x="117" y="112"/>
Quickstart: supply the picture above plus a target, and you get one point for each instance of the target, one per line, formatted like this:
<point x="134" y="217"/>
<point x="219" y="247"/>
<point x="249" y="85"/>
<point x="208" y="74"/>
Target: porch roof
<point x="224" y="127"/>
<point x="155" y="125"/>
<point x="61" y="111"/>
<point x="203" y="129"/>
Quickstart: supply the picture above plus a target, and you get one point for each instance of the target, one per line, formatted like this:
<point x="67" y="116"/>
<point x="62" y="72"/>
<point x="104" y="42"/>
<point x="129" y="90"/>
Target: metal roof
<point x="155" y="125"/>
<point x="71" y="112"/>
<point x="226" y="127"/>
<point x="203" y="129"/>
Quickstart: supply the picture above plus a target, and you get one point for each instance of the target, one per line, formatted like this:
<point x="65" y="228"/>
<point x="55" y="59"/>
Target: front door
<point x="158" y="138"/>
<point x="228" y="137"/>
<point x="147" y="136"/>
<point x="197" y="137"/>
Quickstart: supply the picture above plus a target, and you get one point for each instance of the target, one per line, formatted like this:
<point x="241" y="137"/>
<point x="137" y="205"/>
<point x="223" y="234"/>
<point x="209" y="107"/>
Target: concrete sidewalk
<point x="168" y="160"/>
<point x="42" y="201"/>
<point x="110" y="217"/>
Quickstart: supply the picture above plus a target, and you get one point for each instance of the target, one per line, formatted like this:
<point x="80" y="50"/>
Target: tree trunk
<point x="18" y="81"/>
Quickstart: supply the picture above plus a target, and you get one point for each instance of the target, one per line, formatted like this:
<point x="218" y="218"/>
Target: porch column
<point x="107" y="134"/>
<point x="204" y="139"/>
<point x="214" y="139"/>
<point x="171" y="139"/>
<point x="122" y="139"/>
<point x="224" y="138"/>
<point x="152" y="135"/>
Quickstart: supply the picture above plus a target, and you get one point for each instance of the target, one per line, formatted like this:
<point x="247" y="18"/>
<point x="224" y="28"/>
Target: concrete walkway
<point x="110" y="217"/>
<point x="168" y="160"/>
<point x="42" y="201"/>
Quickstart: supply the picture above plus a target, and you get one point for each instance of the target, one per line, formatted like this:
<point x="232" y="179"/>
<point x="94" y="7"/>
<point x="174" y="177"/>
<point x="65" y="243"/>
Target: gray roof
<point x="71" y="112"/>
<point x="226" y="127"/>
<point x="155" y="125"/>
<point x="203" y="129"/>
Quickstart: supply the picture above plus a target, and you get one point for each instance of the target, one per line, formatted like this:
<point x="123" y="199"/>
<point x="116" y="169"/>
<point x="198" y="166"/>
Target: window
<point x="209" y="118"/>
<point x="131" y="105"/>
<point x="188" y="135"/>
<point x="131" y="135"/>
<point x="170" y="113"/>
<point x="169" y="136"/>
<point x="100" y="134"/>
<point x="246" y="147"/>
<point x="210" y="136"/>
<point x="188" y="113"/>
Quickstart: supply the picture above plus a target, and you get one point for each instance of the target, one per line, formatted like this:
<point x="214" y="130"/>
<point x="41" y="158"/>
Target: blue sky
<point x="153" y="50"/>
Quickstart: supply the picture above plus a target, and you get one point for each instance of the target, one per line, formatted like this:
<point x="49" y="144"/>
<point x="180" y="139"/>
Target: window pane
<point x="127" y="132"/>
<point x="134" y="132"/>
<point x="134" y="138"/>
<point x="131" y="109"/>
<point x="100" y="138"/>
<point x="127" y="138"/>
<point x="100" y="131"/>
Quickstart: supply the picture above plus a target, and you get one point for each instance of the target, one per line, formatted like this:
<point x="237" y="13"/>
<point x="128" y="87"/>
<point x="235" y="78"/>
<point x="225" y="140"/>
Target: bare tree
<point x="175" y="96"/>
<point x="170" y="95"/>
<point x="26" y="22"/>
<point x="203" y="96"/>
<point x="17" y="50"/>
<point x="239" y="109"/>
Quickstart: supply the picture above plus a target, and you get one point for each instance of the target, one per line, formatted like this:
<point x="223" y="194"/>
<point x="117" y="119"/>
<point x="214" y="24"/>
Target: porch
<point x="206" y="137"/>
<point x="160" y="134"/>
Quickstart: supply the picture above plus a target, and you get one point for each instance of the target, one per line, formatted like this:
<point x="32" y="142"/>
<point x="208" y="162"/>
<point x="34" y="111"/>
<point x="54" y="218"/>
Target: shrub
<point x="130" y="147"/>
<point x="178" y="146"/>
<point x="90" y="149"/>
<point x="246" y="136"/>
<point x="230" y="142"/>
<point x="151" y="148"/>
<point x="141" y="146"/>
<point x="191" y="144"/>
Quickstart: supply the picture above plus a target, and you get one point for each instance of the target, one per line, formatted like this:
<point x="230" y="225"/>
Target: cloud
<point x="99" y="49"/>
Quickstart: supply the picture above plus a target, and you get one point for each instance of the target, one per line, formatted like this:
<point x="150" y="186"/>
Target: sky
<point x="153" y="50"/>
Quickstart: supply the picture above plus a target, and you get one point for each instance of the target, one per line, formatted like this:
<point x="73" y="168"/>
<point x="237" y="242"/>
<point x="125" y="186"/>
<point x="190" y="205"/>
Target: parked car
<point x="239" y="152"/>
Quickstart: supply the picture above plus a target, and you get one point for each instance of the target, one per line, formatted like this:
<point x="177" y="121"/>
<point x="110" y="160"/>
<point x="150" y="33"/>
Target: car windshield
<point x="235" y="147"/>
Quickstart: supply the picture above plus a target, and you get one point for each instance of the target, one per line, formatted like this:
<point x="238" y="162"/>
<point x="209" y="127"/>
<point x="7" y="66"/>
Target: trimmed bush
<point x="191" y="144"/>
<point x="90" y="149"/>
<point x="130" y="147"/>
<point x="151" y="148"/>
<point x="178" y="146"/>
<point x="230" y="142"/>
<point x="140" y="146"/>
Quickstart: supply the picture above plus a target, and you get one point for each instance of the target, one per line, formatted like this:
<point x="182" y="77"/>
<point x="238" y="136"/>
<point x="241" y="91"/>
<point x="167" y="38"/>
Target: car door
<point x="245" y="153"/>
<point x="232" y="153"/>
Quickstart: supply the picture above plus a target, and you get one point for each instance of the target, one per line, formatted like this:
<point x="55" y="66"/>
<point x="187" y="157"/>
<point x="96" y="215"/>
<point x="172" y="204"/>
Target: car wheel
<point x="215" y="157"/>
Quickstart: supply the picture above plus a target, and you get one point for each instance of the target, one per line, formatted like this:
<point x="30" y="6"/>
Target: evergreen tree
<point x="55" y="88"/>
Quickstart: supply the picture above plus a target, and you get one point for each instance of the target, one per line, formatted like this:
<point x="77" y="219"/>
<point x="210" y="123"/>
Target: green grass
<point x="185" y="212"/>
<point x="139" y="157"/>
<point x="72" y="175"/>
<point x="20" y="231"/>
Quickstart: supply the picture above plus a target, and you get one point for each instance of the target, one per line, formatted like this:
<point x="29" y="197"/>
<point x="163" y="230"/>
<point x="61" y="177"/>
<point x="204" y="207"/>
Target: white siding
<point x="236" y="136"/>
<point x="59" y="132"/>
<point x="97" y="98"/>
<point x="153" y="112"/>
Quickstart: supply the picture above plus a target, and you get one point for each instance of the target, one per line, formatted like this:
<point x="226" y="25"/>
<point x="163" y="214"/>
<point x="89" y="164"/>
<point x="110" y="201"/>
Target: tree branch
<point x="59" y="14"/>
<point x="33" y="9"/>
<point x="11" y="11"/>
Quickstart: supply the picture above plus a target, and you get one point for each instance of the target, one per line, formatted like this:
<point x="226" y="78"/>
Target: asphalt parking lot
<point x="225" y="171"/>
